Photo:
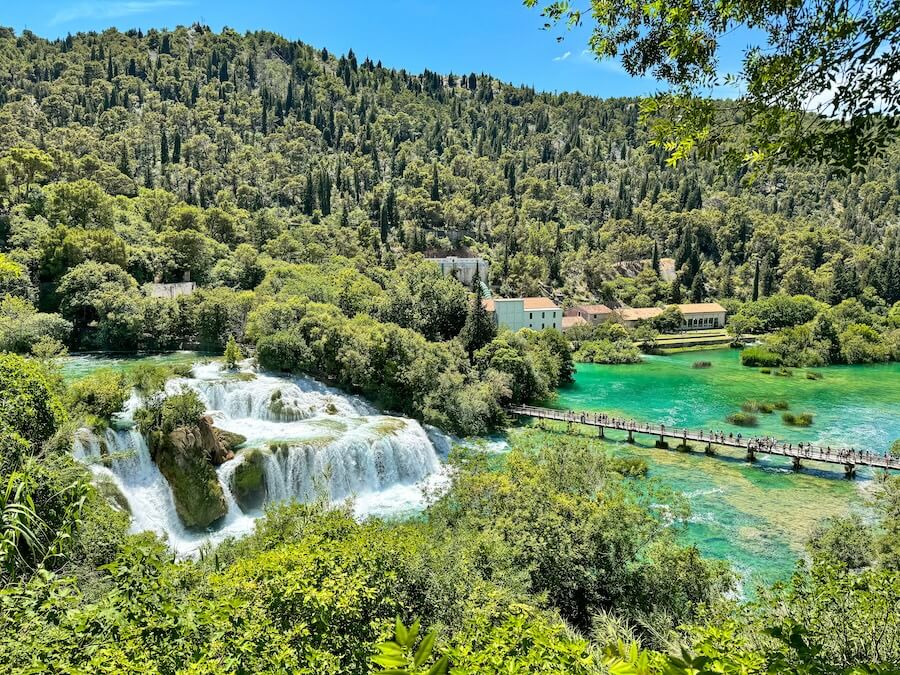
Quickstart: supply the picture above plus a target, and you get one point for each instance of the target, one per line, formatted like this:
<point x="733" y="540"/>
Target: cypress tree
<point x="479" y="328"/>
<point x="755" y="296"/>
<point x="697" y="288"/>
<point x="654" y="263"/>
<point x="435" y="188"/>
<point x="163" y="147"/>
<point x="176" y="148"/>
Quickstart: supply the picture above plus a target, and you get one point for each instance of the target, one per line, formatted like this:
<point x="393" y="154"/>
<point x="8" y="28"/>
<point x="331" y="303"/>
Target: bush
<point x="166" y="413"/>
<point x="29" y="405"/>
<point x="759" y="356"/>
<point x="781" y="405"/>
<point x="608" y="351"/>
<point x="797" y="419"/>
<point x="742" y="419"/>
<point x="101" y="394"/>
<point x="633" y="467"/>
<point x="702" y="364"/>
<point x="757" y="406"/>
<point x="812" y="375"/>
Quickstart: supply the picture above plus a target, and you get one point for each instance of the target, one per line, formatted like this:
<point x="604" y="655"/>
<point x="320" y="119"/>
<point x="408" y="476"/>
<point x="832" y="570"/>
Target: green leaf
<point x="389" y="660"/>
<point x="440" y="668"/>
<point x="424" y="650"/>
<point x="400" y="632"/>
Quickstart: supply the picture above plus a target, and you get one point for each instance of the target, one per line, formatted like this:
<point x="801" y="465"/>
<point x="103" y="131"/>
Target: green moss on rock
<point x="249" y="481"/>
<point x="182" y="458"/>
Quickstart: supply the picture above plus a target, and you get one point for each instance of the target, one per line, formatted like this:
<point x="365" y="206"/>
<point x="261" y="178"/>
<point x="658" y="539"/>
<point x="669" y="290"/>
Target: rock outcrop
<point x="186" y="457"/>
<point x="248" y="483"/>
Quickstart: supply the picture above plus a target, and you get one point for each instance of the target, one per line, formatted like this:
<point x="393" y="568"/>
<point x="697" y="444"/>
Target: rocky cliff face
<point x="187" y="457"/>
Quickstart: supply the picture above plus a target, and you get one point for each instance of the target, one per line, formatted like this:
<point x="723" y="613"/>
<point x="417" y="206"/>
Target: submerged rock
<point x="249" y="481"/>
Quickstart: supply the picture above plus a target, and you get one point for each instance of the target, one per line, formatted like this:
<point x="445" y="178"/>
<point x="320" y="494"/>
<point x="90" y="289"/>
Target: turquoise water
<point x="79" y="365"/>
<point x="757" y="517"/>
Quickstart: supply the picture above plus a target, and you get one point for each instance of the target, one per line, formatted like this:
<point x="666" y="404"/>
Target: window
<point x="530" y="315"/>
<point x="542" y="314"/>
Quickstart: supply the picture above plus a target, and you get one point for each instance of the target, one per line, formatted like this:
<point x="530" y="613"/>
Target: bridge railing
<point x="763" y="445"/>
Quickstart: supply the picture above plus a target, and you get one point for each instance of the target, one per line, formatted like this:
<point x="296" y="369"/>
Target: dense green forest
<point x="225" y="158"/>
<point x="297" y="188"/>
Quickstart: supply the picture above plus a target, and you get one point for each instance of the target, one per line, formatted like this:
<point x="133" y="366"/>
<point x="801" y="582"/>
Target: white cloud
<point x="110" y="10"/>
<point x="563" y="57"/>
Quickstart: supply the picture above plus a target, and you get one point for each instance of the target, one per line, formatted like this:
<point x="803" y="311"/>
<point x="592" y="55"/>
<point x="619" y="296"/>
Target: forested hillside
<point x="221" y="140"/>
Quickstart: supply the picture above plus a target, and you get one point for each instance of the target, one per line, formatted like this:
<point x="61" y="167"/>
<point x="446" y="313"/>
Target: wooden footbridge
<point x="849" y="458"/>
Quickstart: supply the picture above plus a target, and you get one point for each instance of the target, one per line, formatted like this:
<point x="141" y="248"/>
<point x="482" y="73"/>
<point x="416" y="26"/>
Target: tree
<point x="29" y="405"/>
<point x="435" y="185"/>
<point x="479" y="328"/>
<point x="698" y="288"/>
<point x="817" y="79"/>
<point x="26" y="165"/>
<point x="740" y="325"/>
<point x="755" y="295"/>
<point x="654" y="263"/>
<point x="669" y="321"/>
<point x="232" y="353"/>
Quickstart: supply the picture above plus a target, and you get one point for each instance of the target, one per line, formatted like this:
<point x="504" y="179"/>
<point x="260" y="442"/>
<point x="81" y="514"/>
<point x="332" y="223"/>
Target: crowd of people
<point x="753" y="444"/>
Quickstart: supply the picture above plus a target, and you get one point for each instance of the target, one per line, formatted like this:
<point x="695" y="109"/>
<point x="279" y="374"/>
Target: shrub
<point x="633" y="467"/>
<point x="742" y="419"/>
<point x="895" y="448"/>
<point x="608" y="351"/>
<point x="765" y="371"/>
<point x="702" y="364"/>
<point x="751" y="406"/>
<point x="759" y="356"/>
<point x="101" y="394"/>
<point x="29" y="405"/>
<point x="812" y="375"/>
<point x="232" y="353"/>
<point x="784" y="372"/>
<point x="797" y="419"/>
<point x="781" y="405"/>
<point x="166" y="413"/>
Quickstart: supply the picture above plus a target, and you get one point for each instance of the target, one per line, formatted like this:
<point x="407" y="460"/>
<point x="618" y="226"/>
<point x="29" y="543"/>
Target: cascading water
<point x="311" y="439"/>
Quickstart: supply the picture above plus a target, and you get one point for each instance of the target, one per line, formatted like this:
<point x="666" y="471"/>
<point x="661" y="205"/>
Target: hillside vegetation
<point x="298" y="189"/>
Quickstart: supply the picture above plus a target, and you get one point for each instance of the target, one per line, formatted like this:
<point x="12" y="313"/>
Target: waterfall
<point x="369" y="458"/>
<point x="313" y="440"/>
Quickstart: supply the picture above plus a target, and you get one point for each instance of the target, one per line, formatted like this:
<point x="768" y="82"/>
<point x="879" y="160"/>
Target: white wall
<point x="511" y="313"/>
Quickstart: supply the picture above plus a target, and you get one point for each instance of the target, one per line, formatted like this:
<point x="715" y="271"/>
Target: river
<point x="757" y="517"/>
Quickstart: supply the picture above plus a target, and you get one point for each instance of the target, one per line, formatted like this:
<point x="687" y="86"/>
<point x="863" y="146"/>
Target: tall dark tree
<point x="755" y="295"/>
<point x="163" y="147"/>
<point x="435" y="186"/>
<point x="479" y="328"/>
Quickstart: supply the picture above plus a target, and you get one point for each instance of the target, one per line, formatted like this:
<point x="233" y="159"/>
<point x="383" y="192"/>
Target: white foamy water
<point x="313" y="440"/>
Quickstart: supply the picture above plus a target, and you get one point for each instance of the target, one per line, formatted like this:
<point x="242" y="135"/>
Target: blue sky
<point x="500" y="37"/>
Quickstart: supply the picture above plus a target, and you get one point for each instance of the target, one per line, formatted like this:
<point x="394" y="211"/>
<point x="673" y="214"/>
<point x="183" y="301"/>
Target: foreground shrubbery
<point x="533" y="563"/>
